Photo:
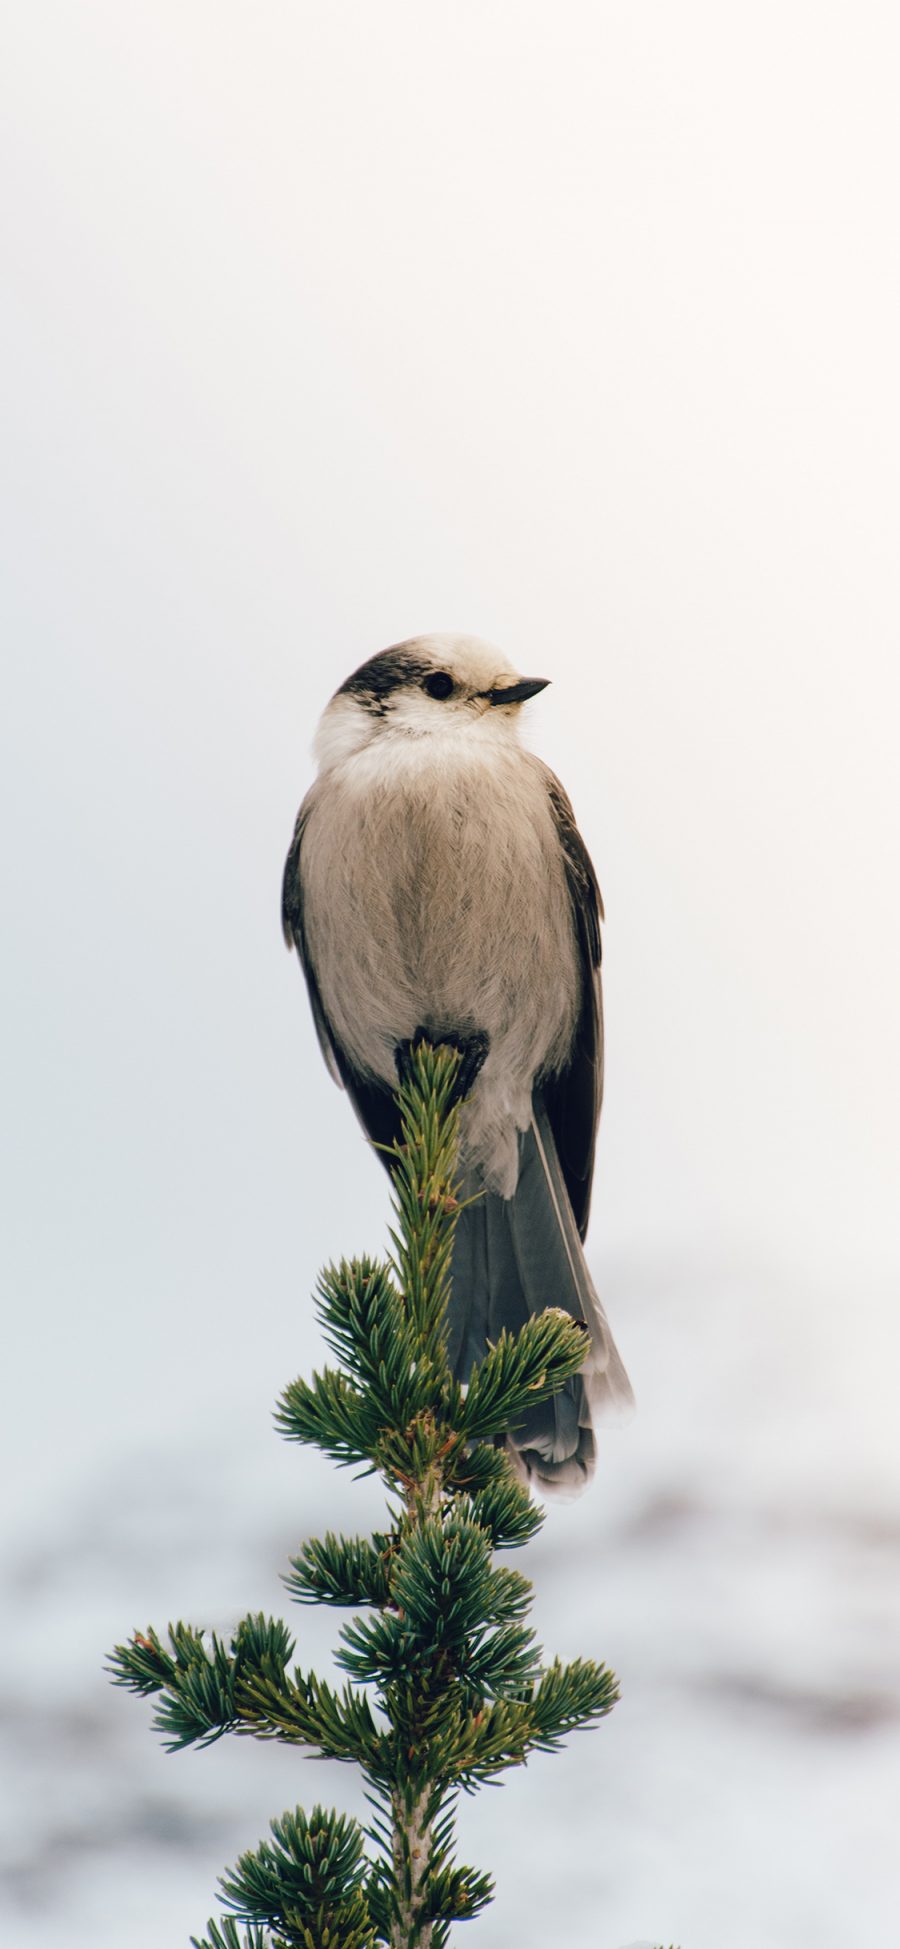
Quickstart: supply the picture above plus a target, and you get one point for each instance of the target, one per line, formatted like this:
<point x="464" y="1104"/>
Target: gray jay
<point x="437" y="884"/>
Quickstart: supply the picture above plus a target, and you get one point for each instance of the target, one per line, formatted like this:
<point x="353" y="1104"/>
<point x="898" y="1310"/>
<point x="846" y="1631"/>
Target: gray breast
<point x="439" y="898"/>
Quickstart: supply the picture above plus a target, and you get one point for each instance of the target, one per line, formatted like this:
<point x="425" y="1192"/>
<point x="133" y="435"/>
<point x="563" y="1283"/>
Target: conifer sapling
<point x="445" y="1687"/>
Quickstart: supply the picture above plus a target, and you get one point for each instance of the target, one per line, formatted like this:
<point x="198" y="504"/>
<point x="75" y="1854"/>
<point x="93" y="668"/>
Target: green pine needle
<point x="227" y="1935"/>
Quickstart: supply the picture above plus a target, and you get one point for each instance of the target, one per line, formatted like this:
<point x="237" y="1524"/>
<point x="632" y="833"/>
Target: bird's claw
<point x="472" y="1048"/>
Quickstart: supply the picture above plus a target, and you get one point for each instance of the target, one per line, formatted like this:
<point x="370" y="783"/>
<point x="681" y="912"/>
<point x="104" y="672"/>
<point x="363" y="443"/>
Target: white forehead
<point x="469" y="659"/>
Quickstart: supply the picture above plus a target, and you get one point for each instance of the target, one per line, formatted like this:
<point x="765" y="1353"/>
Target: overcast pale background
<point x="576" y="327"/>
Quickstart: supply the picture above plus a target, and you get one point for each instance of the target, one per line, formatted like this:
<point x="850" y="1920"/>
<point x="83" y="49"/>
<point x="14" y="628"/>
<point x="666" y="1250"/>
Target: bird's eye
<point x="439" y="685"/>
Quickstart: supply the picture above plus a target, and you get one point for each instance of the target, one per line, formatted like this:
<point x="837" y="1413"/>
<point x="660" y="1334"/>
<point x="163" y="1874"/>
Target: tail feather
<point x="512" y="1258"/>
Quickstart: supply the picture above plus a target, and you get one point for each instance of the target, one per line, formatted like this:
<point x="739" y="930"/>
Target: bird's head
<point x="441" y="686"/>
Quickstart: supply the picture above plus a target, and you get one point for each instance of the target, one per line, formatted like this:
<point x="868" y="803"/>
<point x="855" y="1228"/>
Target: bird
<point x="437" y="886"/>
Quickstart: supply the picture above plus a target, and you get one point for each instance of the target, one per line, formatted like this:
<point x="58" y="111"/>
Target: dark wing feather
<point x="573" y="1096"/>
<point x="374" y="1105"/>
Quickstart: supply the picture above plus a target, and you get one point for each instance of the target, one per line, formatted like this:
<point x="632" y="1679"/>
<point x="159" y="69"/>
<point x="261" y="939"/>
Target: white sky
<point x="576" y="327"/>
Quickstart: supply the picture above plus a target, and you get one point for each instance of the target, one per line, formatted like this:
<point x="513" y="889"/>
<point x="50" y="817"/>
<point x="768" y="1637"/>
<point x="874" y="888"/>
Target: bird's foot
<point x="472" y="1049"/>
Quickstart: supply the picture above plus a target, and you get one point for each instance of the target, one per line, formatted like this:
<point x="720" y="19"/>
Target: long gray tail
<point x="512" y="1258"/>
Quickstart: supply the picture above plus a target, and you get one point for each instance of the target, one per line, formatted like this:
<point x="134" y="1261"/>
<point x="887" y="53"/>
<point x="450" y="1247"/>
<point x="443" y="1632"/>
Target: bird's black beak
<point x="517" y="693"/>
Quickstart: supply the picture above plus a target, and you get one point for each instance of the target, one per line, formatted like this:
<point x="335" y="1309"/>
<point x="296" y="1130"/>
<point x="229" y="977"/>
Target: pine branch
<point x="502" y="1507"/>
<point x="341" y="1570"/>
<point x="328" y="1412"/>
<point x="569" y="1697"/>
<point x="307" y="1883"/>
<point x="519" y="1371"/>
<point x="308" y="1712"/>
<point x="200" y="1683"/>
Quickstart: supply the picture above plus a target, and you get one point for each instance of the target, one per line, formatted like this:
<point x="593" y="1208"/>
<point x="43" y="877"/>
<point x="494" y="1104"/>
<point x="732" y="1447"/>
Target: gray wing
<point x="295" y="936"/>
<point x="374" y="1105"/>
<point x="573" y="1096"/>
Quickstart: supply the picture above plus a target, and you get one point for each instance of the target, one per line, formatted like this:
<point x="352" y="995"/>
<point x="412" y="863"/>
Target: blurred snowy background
<point x="576" y="327"/>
